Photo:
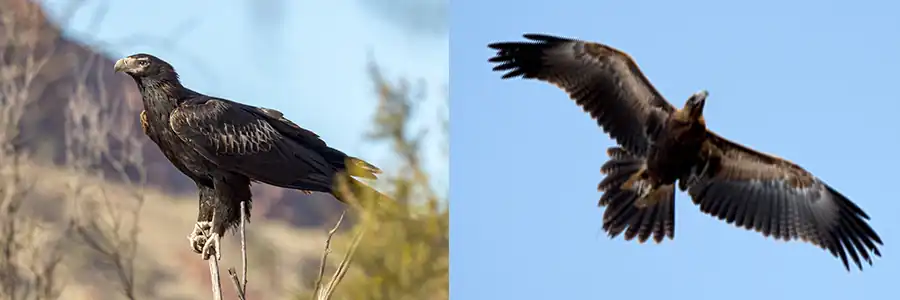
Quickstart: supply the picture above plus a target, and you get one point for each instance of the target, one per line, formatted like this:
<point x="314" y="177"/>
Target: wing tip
<point x="523" y="58"/>
<point x="533" y="39"/>
<point x="546" y="38"/>
<point x="851" y="239"/>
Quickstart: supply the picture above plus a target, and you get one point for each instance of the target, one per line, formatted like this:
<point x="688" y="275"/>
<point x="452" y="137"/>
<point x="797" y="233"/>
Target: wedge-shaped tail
<point x="638" y="210"/>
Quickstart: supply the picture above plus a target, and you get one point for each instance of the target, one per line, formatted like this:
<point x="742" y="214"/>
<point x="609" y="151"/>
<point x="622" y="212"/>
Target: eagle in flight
<point x="223" y="146"/>
<point x="661" y="145"/>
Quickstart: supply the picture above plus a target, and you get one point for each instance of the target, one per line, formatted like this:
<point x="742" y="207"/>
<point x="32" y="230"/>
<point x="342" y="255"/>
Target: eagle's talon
<point x="197" y="242"/>
<point x="212" y="247"/>
<point x="198" y="236"/>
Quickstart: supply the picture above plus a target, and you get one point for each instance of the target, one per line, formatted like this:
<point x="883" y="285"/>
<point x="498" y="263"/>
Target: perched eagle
<point x="661" y="145"/>
<point x="224" y="145"/>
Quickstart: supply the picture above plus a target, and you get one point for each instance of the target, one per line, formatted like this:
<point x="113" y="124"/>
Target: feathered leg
<point x="230" y="190"/>
<point x="198" y="236"/>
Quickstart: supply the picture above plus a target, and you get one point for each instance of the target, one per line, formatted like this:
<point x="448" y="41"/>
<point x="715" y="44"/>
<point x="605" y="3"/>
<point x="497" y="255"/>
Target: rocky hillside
<point x="70" y="64"/>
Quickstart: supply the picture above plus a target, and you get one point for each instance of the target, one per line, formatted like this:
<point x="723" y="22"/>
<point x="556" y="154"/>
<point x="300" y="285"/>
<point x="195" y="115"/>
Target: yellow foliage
<point x="404" y="254"/>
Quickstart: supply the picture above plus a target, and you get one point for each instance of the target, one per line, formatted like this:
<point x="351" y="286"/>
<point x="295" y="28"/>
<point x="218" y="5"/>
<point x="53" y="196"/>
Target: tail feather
<point x="637" y="213"/>
<point x="359" y="168"/>
<point x="361" y="192"/>
<point x="364" y="194"/>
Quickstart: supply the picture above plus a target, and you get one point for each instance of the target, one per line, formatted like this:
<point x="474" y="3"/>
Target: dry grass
<point x="164" y="262"/>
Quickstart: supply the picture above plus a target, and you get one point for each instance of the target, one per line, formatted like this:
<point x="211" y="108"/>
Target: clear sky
<point x="811" y="81"/>
<point x="305" y="58"/>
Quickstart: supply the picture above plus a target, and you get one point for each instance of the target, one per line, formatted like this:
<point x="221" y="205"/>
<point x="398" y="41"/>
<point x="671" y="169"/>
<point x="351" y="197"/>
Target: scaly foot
<point x="198" y="237"/>
<point x="212" y="246"/>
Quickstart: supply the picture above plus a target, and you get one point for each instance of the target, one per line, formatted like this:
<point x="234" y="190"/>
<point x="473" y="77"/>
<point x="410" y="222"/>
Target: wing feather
<point x="357" y="167"/>
<point x="604" y="81"/>
<point x="776" y="197"/>
<point x="242" y="139"/>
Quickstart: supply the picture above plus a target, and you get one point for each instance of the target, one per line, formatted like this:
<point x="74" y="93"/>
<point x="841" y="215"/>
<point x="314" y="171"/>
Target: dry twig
<point x="29" y="258"/>
<point x="325" y="292"/>
<point x="214" y="277"/>
<point x="325" y="253"/>
<point x="241" y="288"/>
<point x="237" y="284"/>
<point x="94" y="123"/>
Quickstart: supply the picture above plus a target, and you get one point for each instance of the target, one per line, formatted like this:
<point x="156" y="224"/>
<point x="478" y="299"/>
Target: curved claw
<point x="212" y="247"/>
<point x="197" y="242"/>
<point x="198" y="236"/>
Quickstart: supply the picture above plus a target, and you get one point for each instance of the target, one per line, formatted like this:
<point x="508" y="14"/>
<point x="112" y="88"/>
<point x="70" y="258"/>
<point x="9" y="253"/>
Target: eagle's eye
<point x="144" y="63"/>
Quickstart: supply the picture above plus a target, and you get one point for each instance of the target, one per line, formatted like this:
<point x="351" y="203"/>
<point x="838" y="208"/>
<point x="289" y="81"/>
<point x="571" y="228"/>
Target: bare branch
<point x="237" y="284"/>
<point x="244" y="247"/>
<point x="325" y="292"/>
<point x="241" y="288"/>
<point x="214" y="277"/>
<point x="99" y="138"/>
<point x="325" y="253"/>
<point x="30" y="249"/>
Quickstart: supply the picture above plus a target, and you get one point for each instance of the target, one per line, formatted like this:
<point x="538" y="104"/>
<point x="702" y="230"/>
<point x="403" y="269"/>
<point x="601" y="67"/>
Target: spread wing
<point x="776" y="197"/>
<point x="604" y="81"/>
<point x="261" y="144"/>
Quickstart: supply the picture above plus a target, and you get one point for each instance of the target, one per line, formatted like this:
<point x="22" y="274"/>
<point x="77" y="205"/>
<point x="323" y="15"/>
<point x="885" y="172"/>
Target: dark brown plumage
<point x="661" y="145"/>
<point x="224" y="145"/>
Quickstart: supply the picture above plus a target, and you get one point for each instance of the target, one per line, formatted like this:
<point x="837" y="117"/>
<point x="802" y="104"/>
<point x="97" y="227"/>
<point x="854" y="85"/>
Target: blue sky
<point x="811" y="81"/>
<point x="311" y="65"/>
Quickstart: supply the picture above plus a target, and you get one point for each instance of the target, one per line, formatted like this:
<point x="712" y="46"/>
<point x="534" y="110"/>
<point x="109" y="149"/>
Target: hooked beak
<point x="125" y="64"/>
<point x="700" y="99"/>
<point x="697" y="102"/>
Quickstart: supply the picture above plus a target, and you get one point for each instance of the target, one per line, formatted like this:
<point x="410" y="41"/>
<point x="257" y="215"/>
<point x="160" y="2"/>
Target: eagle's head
<point x="694" y="105"/>
<point x="144" y="65"/>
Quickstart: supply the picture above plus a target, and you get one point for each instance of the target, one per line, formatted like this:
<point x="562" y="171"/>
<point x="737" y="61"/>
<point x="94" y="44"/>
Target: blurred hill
<point x="163" y="266"/>
<point x="43" y="124"/>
